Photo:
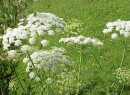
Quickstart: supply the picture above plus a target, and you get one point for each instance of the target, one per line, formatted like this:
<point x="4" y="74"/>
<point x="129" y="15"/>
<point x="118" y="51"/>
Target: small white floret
<point x="110" y="24"/>
<point x="18" y="43"/>
<point x="32" y="40"/>
<point x="126" y="34"/>
<point x="25" y="60"/>
<point x="37" y="79"/>
<point x="49" y="81"/>
<point x="114" y="36"/>
<point x="31" y="75"/>
<point x="12" y="53"/>
<point x="44" y="42"/>
<point x="51" y="32"/>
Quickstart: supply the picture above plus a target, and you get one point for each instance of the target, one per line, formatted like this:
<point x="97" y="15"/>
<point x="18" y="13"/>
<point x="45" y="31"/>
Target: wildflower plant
<point x="10" y="12"/>
<point x="69" y="83"/>
<point x="123" y="76"/>
<point x="29" y="40"/>
<point x="43" y="66"/>
<point x="47" y="61"/>
<point x="7" y="70"/>
<point x="31" y="32"/>
<point x="73" y="28"/>
<point x="120" y="26"/>
<point x="79" y="42"/>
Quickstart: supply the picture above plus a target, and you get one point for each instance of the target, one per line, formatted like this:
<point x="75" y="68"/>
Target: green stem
<point x="35" y="70"/>
<point x="123" y="56"/>
<point x="79" y="68"/>
<point x="121" y="93"/>
<point x="32" y="63"/>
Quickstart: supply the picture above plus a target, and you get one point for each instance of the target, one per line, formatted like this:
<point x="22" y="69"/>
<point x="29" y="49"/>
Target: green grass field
<point x="94" y="67"/>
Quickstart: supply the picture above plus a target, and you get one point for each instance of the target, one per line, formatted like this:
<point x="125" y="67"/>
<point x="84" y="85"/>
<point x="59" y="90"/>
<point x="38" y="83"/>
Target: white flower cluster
<point x="81" y="40"/>
<point x="12" y="53"/>
<point x="123" y="76"/>
<point x="123" y="27"/>
<point x="47" y="61"/>
<point x="30" y="29"/>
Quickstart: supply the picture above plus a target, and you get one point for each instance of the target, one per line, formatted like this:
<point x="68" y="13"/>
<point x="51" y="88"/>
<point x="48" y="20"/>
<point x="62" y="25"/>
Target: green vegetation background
<point x="94" y="14"/>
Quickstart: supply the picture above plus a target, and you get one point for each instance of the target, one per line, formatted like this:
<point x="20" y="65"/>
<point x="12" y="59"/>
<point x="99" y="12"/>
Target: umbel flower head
<point x="123" y="76"/>
<point x="32" y="28"/>
<point x="122" y="27"/>
<point x="81" y="40"/>
<point x="53" y="61"/>
<point x="73" y="28"/>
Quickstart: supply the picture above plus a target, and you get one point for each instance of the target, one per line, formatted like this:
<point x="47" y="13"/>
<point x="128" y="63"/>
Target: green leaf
<point x="14" y="11"/>
<point x="11" y="16"/>
<point x="6" y="17"/>
<point x="2" y="9"/>
<point x="2" y="20"/>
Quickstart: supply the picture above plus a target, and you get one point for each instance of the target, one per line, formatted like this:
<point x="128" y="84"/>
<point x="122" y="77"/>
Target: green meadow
<point x="91" y="69"/>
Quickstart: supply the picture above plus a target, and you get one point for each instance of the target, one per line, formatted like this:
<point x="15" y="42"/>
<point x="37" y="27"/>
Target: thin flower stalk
<point x="35" y="70"/>
<point x="79" y="67"/>
<point x="123" y="56"/>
